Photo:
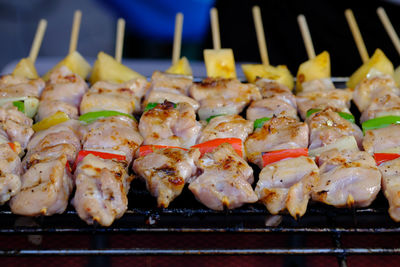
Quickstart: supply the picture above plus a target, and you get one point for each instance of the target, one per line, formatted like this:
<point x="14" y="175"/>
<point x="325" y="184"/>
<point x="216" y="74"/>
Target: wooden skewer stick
<point x="73" y="42"/>
<point x="389" y="28"/>
<point x="176" y="49"/>
<point x="356" y="35"/>
<point x="120" y="39"/>
<point x="262" y="45"/>
<point x="305" y="32"/>
<point x="215" y="28"/>
<point x="37" y="41"/>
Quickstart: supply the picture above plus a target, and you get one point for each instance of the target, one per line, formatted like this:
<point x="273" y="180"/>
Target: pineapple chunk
<point x="75" y="63"/>
<point x="106" y="68"/>
<point x="26" y="69"/>
<point x="280" y="73"/>
<point x="378" y="61"/>
<point x="313" y="69"/>
<point x="396" y="75"/>
<point x="182" y="67"/>
<point x="220" y="63"/>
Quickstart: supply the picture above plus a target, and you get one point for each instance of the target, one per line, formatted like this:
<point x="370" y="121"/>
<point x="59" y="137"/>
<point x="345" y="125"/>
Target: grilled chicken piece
<point x="371" y="88"/>
<point x="166" y="171"/>
<point x="160" y="97"/>
<point x="10" y="171"/>
<point x="347" y="179"/>
<point x="170" y="126"/>
<point x="269" y="107"/>
<point x="60" y="134"/>
<point x="337" y="99"/>
<point x="125" y="97"/>
<point x="226" y="126"/>
<point x="63" y="92"/>
<point x="287" y="184"/>
<point x="171" y="83"/>
<point x="17" y="126"/>
<point x="382" y="140"/>
<point x="101" y="189"/>
<point x="13" y="86"/>
<point x="390" y="171"/>
<point x="225" y="180"/>
<point x="325" y="84"/>
<point x="222" y="96"/>
<point x="385" y="105"/>
<point x="327" y="126"/>
<point x="45" y="189"/>
<point x="112" y="134"/>
<point x="276" y="134"/>
<point x="271" y="89"/>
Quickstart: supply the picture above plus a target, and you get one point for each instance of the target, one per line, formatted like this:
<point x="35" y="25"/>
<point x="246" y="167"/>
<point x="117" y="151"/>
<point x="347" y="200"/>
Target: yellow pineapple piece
<point x="106" y="68"/>
<point x="25" y="68"/>
<point x="182" y="67"/>
<point x="378" y="62"/>
<point x="220" y="63"/>
<point x="280" y="74"/>
<point x="313" y="69"/>
<point x="75" y="63"/>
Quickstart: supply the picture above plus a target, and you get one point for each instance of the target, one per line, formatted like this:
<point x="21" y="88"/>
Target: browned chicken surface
<point x="385" y="105"/>
<point x="125" y="97"/>
<point x="66" y="133"/>
<point x="222" y="96"/>
<point x="168" y="125"/>
<point x="269" y="107"/>
<point x="45" y="189"/>
<point x="10" y="171"/>
<point x="166" y="171"/>
<point x="327" y="126"/>
<point x="161" y="96"/>
<point x="287" y="185"/>
<point x="371" y="88"/>
<point x="63" y="92"/>
<point x="225" y="181"/>
<point x="171" y="83"/>
<point x="226" y="126"/>
<point x="16" y="125"/>
<point x="13" y="86"/>
<point x="324" y="84"/>
<point x="382" y="140"/>
<point x="276" y="134"/>
<point x="390" y="171"/>
<point x="113" y="135"/>
<point x="271" y="89"/>
<point x="347" y="179"/>
<point x="337" y="99"/>
<point x="47" y="181"/>
<point x="101" y="192"/>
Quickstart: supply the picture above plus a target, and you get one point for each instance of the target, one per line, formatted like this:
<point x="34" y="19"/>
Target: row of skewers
<point x="90" y="139"/>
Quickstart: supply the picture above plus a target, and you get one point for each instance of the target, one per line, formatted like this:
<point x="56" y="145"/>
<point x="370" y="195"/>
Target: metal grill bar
<point x="196" y="252"/>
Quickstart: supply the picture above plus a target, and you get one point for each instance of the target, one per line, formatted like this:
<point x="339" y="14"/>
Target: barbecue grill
<point x="187" y="216"/>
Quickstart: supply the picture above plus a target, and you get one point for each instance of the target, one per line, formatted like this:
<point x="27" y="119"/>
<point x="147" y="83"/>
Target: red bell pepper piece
<point x="209" y="146"/>
<point x="383" y="157"/>
<point x="274" y="156"/>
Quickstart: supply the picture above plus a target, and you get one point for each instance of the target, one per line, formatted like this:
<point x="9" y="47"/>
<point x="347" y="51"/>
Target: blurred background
<point x="150" y="25"/>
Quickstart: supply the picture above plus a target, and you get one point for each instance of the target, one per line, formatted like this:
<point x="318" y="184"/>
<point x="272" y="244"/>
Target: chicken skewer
<point x="110" y="138"/>
<point x="169" y="129"/>
<point x="377" y="97"/>
<point x="23" y="86"/>
<point x="348" y="177"/>
<point x="47" y="183"/>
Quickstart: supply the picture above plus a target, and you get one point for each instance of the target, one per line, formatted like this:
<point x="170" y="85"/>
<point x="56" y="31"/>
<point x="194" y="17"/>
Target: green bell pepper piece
<point x="380" y="122"/>
<point x="93" y="116"/>
<point x="258" y="123"/>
